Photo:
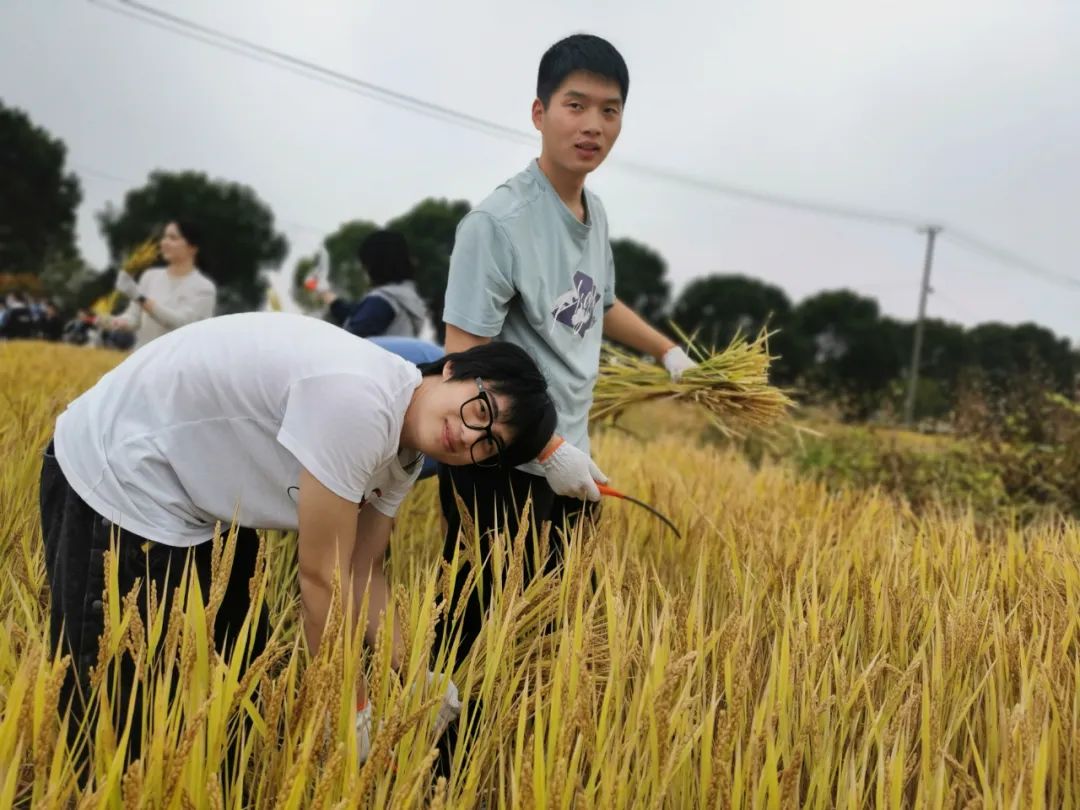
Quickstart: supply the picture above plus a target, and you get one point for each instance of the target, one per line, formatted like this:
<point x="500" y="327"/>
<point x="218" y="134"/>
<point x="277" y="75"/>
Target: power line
<point x="217" y="38"/>
<point x="92" y="172"/>
<point x="1009" y="258"/>
<point x="767" y="198"/>
<point x="302" y="67"/>
<point x="275" y="58"/>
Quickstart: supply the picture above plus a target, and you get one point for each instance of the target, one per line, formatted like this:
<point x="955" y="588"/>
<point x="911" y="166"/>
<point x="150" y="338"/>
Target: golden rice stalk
<point x="732" y="386"/>
<point x="141" y="256"/>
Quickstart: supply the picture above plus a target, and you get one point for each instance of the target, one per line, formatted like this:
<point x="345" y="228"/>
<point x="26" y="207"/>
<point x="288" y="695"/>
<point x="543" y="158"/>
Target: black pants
<point x="495" y="497"/>
<point x="76" y="539"/>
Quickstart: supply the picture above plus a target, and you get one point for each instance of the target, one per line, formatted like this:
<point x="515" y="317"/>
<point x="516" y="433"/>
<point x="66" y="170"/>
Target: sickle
<point x="614" y="493"/>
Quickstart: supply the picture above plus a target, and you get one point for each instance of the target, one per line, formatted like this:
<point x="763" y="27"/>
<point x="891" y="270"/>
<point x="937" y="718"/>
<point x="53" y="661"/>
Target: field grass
<point x="798" y="647"/>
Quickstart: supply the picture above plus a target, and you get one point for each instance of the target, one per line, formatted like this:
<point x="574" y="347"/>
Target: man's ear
<point x="447" y="370"/>
<point x="538" y="114"/>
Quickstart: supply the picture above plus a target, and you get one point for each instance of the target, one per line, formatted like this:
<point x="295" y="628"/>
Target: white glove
<point x="450" y="708"/>
<point x="126" y="285"/>
<point x="572" y="473"/>
<point x="363" y="732"/>
<point x="676" y="361"/>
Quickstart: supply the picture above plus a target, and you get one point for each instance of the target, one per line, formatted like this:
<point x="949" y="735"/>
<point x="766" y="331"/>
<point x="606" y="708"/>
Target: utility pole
<point x="931" y="232"/>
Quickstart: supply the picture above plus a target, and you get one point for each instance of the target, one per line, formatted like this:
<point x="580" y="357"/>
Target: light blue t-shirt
<point x="527" y="271"/>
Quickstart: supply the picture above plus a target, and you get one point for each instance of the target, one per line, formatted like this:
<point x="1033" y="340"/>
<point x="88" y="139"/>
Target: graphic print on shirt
<point x="576" y="308"/>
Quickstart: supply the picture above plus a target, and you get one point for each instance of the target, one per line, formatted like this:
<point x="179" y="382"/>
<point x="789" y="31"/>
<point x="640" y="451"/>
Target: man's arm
<point x="624" y="325"/>
<point x="458" y="340"/>
<point x="327" y="536"/>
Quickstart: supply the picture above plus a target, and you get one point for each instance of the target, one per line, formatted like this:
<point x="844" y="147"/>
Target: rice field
<point x="797" y="648"/>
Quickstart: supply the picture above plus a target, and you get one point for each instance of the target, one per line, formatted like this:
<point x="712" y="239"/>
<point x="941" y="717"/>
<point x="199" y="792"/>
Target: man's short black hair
<point x="583" y="52"/>
<point x="385" y="256"/>
<point x="508" y="370"/>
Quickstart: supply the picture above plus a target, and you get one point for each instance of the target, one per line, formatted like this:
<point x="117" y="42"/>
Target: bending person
<point x="279" y="422"/>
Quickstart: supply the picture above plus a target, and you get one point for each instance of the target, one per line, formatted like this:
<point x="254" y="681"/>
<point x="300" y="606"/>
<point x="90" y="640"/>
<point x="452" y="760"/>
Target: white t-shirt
<point x="178" y="301"/>
<point x="215" y="420"/>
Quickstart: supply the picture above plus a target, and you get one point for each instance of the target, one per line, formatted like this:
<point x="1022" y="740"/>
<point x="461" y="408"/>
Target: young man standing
<point x="532" y="266"/>
<point x="275" y="422"/>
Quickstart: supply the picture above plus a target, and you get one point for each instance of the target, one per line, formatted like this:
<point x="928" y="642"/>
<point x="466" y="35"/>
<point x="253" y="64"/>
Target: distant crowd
<point x="23" y="317"/>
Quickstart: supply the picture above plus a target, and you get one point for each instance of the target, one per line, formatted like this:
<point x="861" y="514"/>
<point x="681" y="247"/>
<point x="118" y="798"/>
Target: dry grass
<point x="796" y="649"/>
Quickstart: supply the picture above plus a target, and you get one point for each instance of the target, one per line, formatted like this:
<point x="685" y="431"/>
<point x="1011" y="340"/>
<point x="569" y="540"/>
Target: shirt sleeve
<point x="372" y="316"/>
<point x="339" y="427"/>
<point x="481" y="281"/>
<point x="609" y="284"/>
<point x="390" y="500"/>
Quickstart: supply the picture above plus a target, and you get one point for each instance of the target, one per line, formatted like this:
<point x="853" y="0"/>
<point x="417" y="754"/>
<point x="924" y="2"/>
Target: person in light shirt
<point x="271" y="421"/>
<point x="165" y="298"/>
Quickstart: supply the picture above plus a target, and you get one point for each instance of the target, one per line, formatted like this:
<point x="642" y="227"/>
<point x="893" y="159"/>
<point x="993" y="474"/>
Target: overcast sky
<point x="966" y="113"/>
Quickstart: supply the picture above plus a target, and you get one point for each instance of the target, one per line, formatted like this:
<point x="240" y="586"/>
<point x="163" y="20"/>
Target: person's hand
<point x="676" y="361"/>
<point x="363" y="732"/>
<point x="126" y="285"/>
<point x="450" y="708"/>
<point x="572" y="473"/>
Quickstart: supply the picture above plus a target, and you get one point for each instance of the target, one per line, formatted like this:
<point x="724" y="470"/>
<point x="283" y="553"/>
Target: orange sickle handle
<point x="614" y="493"/>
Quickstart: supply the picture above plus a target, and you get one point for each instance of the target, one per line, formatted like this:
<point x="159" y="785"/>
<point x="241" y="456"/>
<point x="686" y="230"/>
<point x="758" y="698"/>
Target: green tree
<point x="716" y="307"/>
<point x="855" y="352"/>
<point x="239" y="240"/>
<point x="347" y="275"/>
<point x="640" y="279"/>
<point x="430" y="228"/>
<point x="37" y="206"/>
<point x="1004" y="353"/>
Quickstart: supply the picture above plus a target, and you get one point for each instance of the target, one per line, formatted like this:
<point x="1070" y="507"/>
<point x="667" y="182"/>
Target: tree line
<point x="835" y="344"/>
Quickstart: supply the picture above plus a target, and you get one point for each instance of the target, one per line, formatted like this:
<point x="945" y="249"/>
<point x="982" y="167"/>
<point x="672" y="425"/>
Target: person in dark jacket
<point x="392" y="307"/>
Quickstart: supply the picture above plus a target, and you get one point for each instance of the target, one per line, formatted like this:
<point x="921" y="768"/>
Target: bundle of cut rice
<point x="141" y="257"/>
<point x="732" y="385"/>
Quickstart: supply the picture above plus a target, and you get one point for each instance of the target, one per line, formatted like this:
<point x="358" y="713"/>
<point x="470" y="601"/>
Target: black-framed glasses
<point x="489" y="439"/>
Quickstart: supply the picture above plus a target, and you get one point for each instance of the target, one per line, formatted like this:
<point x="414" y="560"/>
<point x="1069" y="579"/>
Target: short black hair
<point x="508" y="370"/>
<point x="385" y="256"/>
<point x="583" y="52"/>
<point x="190" y="230"/>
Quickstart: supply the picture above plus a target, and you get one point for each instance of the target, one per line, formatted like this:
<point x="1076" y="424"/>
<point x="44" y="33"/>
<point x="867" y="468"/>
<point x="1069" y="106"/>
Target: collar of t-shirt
<point x="578" y="228"/>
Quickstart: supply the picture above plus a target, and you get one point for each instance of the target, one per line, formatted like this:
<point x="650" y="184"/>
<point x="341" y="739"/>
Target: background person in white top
<point x="166" y="298"/>
<point x="283" y="421"/>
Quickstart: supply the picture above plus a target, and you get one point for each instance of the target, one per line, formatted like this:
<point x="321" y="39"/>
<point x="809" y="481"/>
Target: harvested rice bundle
<point x="732" y="386"/>
<point x="141" y="257"/>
